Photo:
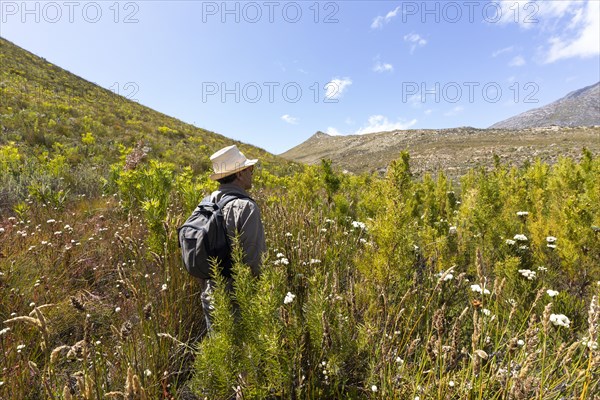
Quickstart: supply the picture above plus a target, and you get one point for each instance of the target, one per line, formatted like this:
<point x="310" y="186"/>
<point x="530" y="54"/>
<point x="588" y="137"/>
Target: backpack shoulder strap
<point x="229" y="198"/>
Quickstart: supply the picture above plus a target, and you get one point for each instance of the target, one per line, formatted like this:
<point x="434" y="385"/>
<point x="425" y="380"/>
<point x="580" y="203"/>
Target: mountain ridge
<point x="581" y="107"/>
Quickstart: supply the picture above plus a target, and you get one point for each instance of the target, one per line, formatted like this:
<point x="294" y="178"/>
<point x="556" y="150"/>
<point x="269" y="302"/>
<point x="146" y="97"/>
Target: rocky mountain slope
<point x="561" y="128"/>
<point x="578" y="108"/>
<point x="453" y="151"/>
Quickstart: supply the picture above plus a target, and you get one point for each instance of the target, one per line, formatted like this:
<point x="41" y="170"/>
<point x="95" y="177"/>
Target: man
<point x="242" y="217"/>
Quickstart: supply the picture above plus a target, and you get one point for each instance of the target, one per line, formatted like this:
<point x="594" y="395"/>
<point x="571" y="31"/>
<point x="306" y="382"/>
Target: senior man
<point x="234" y="173"/>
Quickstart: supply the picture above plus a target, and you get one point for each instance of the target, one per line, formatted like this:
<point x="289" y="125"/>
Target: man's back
<point x="242" y="217"/>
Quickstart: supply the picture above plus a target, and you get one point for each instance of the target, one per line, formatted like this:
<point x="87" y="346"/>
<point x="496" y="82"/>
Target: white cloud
<point x="428" y="111"/>
<point x="416" y="41"/>
<point x="289" y="119"/>
<point x="572" y="26"/>
<point x="336" y="87"/>
<point x="584" y="42"/>
<point x="517" y="61"/>
<point x="379" y="21"/>
<point x="455" y="111"/>
<point x="380" y="123"/>
<point x="383" y="67"/>
<point x="332" y="131"/>
<point x="502" y="51"/>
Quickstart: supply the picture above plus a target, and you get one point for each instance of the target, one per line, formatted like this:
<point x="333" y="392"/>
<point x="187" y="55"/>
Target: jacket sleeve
<point x="249" y="226"/>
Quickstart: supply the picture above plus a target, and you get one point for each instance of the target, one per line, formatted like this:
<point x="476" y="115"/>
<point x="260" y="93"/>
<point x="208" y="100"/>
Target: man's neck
<point x="233" y="186"/>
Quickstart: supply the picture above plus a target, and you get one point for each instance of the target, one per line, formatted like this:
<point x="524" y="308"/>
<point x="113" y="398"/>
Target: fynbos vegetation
<point x="372" y="288"/>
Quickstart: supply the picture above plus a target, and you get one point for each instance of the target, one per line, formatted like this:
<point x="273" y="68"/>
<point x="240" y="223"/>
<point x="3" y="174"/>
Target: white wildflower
<point x="560" y="320"/>
<point x="592" y="345"/>
<point x="51" y="221"/>
<point x="551" y="246"/>
<point x="314" y="261"/>
<point x="1" y="230"/>
<point x="510" y="242"/>
<point x="164" y="287"/>
<point x="32" y="304"/>
<point x="520" y="237"/>
<point x="542" y="268"/>
<point x="147" y="372"/>
<point x="399" y="360"/>
<point x="280" y="255"/>
<point x="20" y="347"/>
<point x="4" y="331"/>
<point x="284" y="261"/>
<point x="452" y="230"/>
<point x="552" y="293"/>
<point x="486" y="311"/>
<point x="527" y="273"/>
<point x="288" y="234"/>
<point x="520" y="342"/>
<point x="448" y="277"/>
<point x="522" y="213"/>
<point x="118" y="309"/>
<point x="451" y="383"/>
<point x="289" y="297"/>
<point x="374" y="388"/>
<point x="476" y="288"/>
<point x="323" y="230"/>
<point x="550" y="239"/>
<point x="358" y="224"/>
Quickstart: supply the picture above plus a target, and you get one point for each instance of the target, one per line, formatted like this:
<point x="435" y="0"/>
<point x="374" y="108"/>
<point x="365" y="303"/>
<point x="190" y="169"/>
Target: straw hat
<point x="228" y="161"/>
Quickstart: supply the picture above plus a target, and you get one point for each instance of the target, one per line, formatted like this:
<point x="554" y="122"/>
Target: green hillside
<point x="49" y="113"/>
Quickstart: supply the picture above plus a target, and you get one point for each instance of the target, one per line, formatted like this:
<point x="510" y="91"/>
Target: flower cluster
<point x="551" y="242"/>
<point x="281" y="259"/>
<point x="560" y="320"/>
<point x="478" y="289"/>
<point x="358" y="224"/>
<point x="289" y="297"/>
<point x="527" y="273"/>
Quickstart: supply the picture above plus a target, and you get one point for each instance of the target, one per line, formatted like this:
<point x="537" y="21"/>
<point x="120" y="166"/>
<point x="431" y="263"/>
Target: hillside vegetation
<point x="65" y="132"/>
<point x="452" y="151"/>
<point x="373" y="287"/>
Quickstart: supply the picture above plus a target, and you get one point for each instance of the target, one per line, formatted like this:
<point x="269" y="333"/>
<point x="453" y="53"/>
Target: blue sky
<point x="272" y="73"/>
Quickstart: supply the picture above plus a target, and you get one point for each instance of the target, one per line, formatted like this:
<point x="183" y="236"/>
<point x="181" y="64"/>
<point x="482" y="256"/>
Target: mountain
<point x="44" y="108"/>
<point x="453" y="151"/>
<point x="578" y="108"/>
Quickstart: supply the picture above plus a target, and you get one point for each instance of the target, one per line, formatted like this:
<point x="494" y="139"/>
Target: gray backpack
<point x="203" y="237"/>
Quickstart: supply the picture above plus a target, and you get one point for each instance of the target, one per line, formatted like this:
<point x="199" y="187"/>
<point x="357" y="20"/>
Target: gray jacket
<point x="242" y="216"/>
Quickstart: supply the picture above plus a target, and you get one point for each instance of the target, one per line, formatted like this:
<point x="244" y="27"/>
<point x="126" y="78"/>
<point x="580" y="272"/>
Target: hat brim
<point x="223" y="174"/>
